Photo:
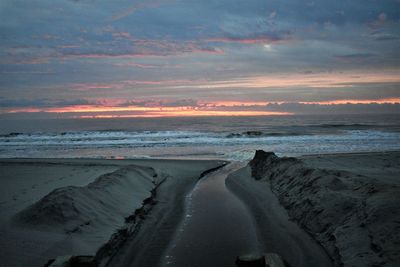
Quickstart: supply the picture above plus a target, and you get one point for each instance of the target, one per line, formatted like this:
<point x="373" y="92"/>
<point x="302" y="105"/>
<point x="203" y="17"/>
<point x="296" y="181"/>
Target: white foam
<point x="148" y="143"/>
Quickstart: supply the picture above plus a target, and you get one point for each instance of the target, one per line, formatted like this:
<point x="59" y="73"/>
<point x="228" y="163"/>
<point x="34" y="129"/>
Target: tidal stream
<point x="217" y="226"/>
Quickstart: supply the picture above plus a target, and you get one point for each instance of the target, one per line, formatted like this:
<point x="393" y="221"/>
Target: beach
<point x="58" y="207"/>
<point x="348" y="203"/>
<point x="166" y="133"/>
<point x="314" y="210"/>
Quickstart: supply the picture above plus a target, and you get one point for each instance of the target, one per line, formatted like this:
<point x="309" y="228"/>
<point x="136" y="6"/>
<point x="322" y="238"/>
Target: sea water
<point x="198" y="137"/>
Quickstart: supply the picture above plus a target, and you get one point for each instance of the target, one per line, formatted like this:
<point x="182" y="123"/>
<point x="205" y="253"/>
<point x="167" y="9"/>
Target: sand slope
<point x="67" y="208"/>
<point x="276" y="232"/>
<point x="81" y="215"/>
<point x="96" y="209"/>
<point x="354" y="216"/>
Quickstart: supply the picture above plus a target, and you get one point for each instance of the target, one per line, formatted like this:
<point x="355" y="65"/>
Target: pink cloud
<point x="154" y="82"/>
<point x="68" y="46"/>
<point x="136" y="65"/>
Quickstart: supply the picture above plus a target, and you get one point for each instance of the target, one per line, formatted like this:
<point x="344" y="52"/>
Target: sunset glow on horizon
<point x="222" y="108"/>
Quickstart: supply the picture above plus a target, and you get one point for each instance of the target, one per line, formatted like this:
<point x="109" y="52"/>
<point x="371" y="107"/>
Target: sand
<point x="52" y="208"/>
<point x="216" y="228"/>
<point x="276" y="232"/>
<point x="319" y="210"/>
<point x="346" y="202"/>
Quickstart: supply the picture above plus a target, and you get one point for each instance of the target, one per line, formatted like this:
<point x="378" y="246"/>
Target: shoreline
<point x="193" y="158"/>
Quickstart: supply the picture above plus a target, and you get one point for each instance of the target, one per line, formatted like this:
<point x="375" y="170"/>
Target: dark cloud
<point x="40" y="103"/>
<point x="299" y="108"/>
<point x="310" y="108"/>
<point x="355" y="57"/>
<point x="387" y="37"/>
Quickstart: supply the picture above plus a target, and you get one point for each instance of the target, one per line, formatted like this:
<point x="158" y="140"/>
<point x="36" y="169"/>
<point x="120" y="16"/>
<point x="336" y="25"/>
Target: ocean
<point x="233" y="138"/>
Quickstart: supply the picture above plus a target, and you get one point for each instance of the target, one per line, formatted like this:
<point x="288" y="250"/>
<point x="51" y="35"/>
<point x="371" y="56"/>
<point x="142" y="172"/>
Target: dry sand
<point x="60" y="207"/>
<point x="349" y="203"/>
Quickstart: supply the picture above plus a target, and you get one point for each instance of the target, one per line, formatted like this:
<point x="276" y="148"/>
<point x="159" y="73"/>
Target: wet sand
<point x="217" y="226"/>
<point x="224" y="215"/>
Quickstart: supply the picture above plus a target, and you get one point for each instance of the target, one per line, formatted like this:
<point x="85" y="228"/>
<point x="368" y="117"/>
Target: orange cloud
<point x="188" y="113"/>
<point x="98" y="111"/>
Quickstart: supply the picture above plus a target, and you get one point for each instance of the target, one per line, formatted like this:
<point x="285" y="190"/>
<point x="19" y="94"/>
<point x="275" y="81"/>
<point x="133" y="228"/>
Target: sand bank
<point x="346" y="202"/>
<point x="276" y="232"/>
<point x="73" y="207"/>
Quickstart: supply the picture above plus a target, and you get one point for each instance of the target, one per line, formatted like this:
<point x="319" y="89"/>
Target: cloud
<point x="142" y="48"/>
<point x="40" y="103"/>
<point x="126" y="35"/>
<point x="308" y="80"/>
<point x="382" y="17"/>
<point x="160" y="103"/>
<point x="379" y="22"/>
<point x="299" y="108"/>
<point x="355" y="57"/>
<point x="248" y="40"/>
<point x="139" y="6"/>
<point x="252" y="30"/>
<point x="386" y="37"/>
<point x="30" y="72"/>
<point x="120" y="85"/>
<point x="136" y="65"/>
<point x="244" y="51"/>
<point x="94" y="86"/>
<point x="188" y="107"/>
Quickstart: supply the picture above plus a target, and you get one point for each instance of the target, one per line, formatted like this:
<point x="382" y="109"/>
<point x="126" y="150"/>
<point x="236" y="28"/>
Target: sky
<point x="101" y="58"/>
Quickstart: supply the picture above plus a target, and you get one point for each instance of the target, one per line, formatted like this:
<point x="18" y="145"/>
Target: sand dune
<point x="79" y="216"/>
<point x="276" y="232"/>
<point x="355" y="216"/>
<point x="102" y="202"/>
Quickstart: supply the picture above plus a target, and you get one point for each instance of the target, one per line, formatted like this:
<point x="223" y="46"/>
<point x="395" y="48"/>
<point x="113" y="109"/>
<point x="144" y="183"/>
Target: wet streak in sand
<point x="217" y="226"/>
